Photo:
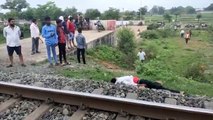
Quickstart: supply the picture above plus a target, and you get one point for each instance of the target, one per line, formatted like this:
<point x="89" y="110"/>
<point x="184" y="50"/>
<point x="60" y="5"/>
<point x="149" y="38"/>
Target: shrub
<point x="195" y="71"/>
<point x="106" y="53"/>
<point x="153" y="26"/>
<point x="210" y="31"/>
<point x="151" y="50"/>
<point x="165" y="33"/>
<point x="154" y="68"/>
<point x="126" y="44"/>
<point x="149" y="34"/>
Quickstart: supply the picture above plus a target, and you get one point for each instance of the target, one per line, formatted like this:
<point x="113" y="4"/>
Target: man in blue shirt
<point x="81" y="46"/>
<point x="49" y="32"/>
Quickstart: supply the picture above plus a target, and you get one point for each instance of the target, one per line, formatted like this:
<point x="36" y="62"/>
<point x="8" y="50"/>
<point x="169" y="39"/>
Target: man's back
<point x="127" y="80"/>
<point x="81" y="41"/>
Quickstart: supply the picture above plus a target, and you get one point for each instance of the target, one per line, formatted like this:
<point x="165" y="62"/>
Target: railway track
<point x="120" y="108"/>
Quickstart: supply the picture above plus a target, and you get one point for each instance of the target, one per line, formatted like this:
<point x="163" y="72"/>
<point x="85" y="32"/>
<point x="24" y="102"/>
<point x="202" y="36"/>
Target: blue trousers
<point x="51" y="48"/>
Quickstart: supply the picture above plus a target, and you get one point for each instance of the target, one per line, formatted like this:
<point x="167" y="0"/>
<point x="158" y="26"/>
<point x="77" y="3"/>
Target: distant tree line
<point x="22" y="10"/>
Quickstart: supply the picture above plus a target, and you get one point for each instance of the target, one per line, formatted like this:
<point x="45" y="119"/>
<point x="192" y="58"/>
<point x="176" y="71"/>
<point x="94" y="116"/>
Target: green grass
<point x="185" y="18"/>
<point x="173" y="60"/>
<point x="92" y="71"/>
<point x="99" y="74"/>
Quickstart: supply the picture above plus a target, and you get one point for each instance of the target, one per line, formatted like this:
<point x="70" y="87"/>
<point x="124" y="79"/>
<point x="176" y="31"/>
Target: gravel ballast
<point x="59" y="112"/>
<point x="20" y="110"/>
<point x="45" y="77"/>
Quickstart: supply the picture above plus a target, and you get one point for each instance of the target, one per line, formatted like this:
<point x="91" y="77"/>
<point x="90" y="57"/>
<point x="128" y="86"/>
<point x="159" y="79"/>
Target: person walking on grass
<point x="81" y="46"/>
<point x="142" y="55"/>
<point x="187" y="37"/>
<point x="182" y="33"/>
<point x="61" y="42"/>
<point x="35" y="34"/>
<point x="12" y="33"/>
<point x="49" y="32"/>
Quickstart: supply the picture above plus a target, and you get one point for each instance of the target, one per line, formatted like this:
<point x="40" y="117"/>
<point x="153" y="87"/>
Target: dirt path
<point x="26" y="48"/>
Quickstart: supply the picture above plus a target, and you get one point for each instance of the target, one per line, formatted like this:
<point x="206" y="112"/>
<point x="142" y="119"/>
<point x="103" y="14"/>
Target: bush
<point x="153" y="26"/>
<point x="156" y="34"/>
<point x="151" y="51"/>
<point x="195" y="71"/>
<point x="126" y="44"/>
<point x="154" y="68"/>
<point x="165" y="33"/>
<point x="210" y="31"/>
<point x="149" y="34"/>
<point x="106" y="53"/>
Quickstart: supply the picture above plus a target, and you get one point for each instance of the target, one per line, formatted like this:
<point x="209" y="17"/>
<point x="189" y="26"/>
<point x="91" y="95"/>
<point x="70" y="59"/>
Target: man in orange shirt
<point x="61" y="42"/>
<point x="187" y="37"/>
<point x="71" y="30"/>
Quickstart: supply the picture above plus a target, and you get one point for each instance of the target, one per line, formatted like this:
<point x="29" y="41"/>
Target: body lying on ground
<point x="135" y="81"/>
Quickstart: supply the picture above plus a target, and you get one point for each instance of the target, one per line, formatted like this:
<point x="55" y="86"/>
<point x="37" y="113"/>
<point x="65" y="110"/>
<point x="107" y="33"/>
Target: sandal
<point x="23" y="65"/>
<point x="9" y="66"/>
<point x="67" y="63"/>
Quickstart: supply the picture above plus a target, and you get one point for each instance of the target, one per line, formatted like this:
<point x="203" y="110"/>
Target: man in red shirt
<point x="71" y="35"/>
<point x="61" y="42"/>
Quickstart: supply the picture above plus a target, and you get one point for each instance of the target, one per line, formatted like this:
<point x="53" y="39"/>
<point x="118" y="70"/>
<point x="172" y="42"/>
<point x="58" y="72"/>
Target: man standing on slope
<point x="12" y="34"/>
<point x="71" y="30"/>
<point x="49" y="32"/>
<point x="35" y="34"/>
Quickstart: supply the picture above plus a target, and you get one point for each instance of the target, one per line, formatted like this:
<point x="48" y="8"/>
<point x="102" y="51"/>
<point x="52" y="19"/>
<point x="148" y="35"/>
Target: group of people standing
<point x="62" y="34"/>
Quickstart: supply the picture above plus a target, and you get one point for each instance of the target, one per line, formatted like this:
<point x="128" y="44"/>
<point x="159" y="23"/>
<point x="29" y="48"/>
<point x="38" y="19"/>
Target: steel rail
<point x="108" y="103"/>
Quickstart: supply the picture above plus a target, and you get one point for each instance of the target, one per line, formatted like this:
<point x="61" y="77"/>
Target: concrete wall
<point x="108" y="39"/>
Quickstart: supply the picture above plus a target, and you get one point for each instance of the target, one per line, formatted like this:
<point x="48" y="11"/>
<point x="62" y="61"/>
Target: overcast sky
<point x="102" y="5"/>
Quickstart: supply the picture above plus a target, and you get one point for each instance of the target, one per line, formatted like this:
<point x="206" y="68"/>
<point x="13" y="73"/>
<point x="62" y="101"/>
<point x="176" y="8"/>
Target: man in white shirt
<point x="127" y="80"/>
<point x="142" y="55"/>
<point x="141" y="83"/>
<point x="12" y="34"/>
<point x="34" y="30"/>
<point x="182" y="32"/>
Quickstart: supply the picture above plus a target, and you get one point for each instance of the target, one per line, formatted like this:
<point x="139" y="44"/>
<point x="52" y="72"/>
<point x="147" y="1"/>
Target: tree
<point x="198" y="17"/>
<point x="177" y="10"/>
<point x="48" y="9"/>
<point x="92" y="13"/>
<point x="167" y="17"/>
<point x="112" y="13"/>
<point x="176" y="16"/>
<point x="28" y="14"/>
<point x="161" y="10"/>
<point x="2" y="16"/>
<point x="11" y="14"/>
<point x="15" y="5"/>
<point x="154" y="10"/>
<point x="190" y="10"/>
<point x="157" y="10"/>
<point x="70" y="11"/>
<point x="209" y="8"/>
<point x="142" y="10"/>
<point x="127" y="45"/>
<point x="129" y="15"/>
